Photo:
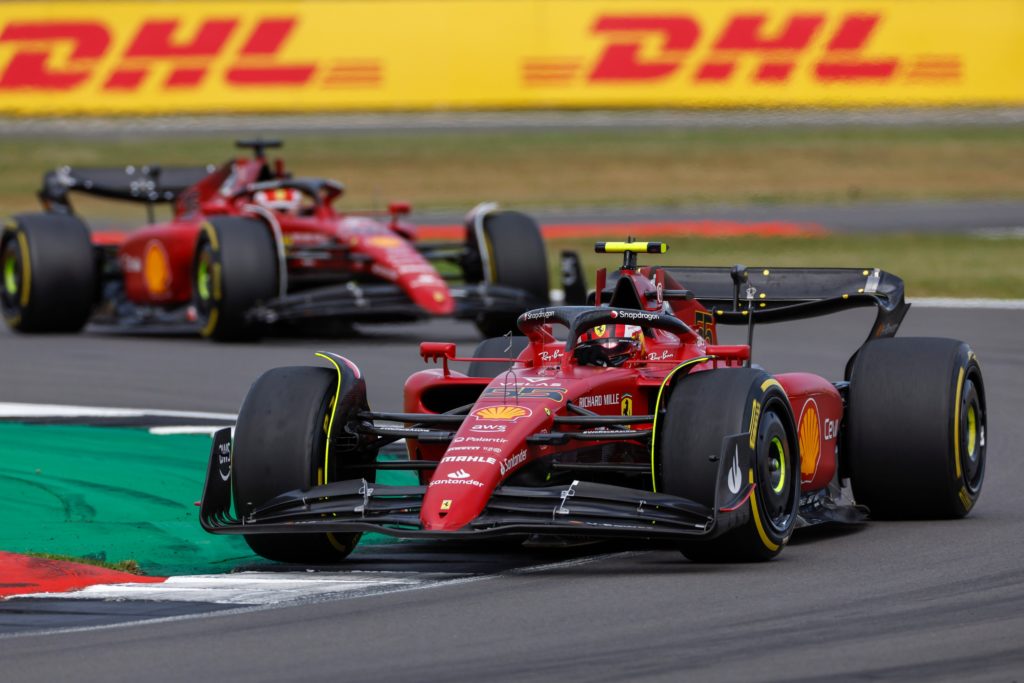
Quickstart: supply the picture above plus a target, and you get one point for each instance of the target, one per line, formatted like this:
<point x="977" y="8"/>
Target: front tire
<point x="280" y="445"/>
<point x="47" y="273"/>
<point x="512" y="254"/>
<point x="916" y="428"/>
<point x="703" y="409"/>
<point x="235" y="268"/>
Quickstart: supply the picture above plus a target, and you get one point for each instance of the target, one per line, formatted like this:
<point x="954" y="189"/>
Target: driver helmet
<point x="609" y="345"/>
<point x="282" y="199"/>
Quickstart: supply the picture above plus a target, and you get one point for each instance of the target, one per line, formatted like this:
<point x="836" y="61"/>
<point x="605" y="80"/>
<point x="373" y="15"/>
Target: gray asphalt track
<point x="988" y="216"/>
<point x="907" y="600"/>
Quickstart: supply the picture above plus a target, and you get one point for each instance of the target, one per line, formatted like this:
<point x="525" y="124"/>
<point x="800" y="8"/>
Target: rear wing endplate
<point x="148" y="184"/>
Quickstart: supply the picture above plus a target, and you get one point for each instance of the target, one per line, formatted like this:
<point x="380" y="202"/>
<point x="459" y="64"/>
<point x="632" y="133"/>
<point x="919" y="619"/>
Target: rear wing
<point x="781" y="294"/>
<point x="147" y="184"/>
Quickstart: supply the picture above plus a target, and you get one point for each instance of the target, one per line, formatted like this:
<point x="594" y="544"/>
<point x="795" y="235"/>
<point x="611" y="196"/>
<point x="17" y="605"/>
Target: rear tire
<point x="280" y="444"/>
<point x="47" y="273"/>
<point x="235" y="268"/>
<point x="513" y="255"/>
<point x="703" y="409"/>
<point x="916" y="428"/>
<point x="495" y="348"/>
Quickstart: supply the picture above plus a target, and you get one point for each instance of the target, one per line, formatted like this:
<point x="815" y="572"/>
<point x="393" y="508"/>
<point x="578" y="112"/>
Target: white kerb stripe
<point x="247" y="588"/>
<point x="48" y="410"/>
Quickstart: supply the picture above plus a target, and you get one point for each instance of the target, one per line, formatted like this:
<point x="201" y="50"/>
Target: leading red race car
<point x="250" y="245"/>
<point x="635" y="422"/>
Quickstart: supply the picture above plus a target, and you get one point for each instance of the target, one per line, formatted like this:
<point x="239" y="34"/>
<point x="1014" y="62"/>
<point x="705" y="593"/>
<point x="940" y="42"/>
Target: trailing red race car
<point x="249" y="245"/>
<point x="635" y="422"/>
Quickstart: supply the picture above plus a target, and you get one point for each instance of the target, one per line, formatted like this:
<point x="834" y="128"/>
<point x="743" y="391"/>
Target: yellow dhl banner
<point x="177" y="57"/>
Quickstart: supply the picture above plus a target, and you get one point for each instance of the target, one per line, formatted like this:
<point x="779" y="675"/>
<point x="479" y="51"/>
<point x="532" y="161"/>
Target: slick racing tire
<point x="235" y="268"/>
<point x="702" y="410"/>
<point x="48" y="273"/>
<point x="512" y="255"/>
<point x="280" y="444"/>
<point x="916" y="428"/>
<point x="496" y="347"/>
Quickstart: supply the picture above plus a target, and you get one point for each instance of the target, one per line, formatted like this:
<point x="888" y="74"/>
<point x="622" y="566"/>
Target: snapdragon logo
<point x="635" y="315"/>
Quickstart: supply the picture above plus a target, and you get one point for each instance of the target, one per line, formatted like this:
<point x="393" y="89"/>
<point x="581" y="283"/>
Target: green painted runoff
<point x="115" y="494"/>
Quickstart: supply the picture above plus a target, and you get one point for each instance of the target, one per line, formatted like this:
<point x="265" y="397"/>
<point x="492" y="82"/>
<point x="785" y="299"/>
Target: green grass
<point x="930" y="265"/>
<point x="127" y="566"/>
<point x="633" y="167"/>
<point x="656" y="166"/>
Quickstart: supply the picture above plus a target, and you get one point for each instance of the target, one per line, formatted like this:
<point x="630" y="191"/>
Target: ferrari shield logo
<point x="446" y="505"/>
<point x="600" y="330"/>
<point x="626" y="405"/>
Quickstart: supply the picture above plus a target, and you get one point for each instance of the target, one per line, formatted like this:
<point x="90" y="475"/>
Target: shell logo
<point x="512" y="413"/>
<point x="809" y="436"/>
<point x="384" y="241"/>
<point x="156" y="269"/>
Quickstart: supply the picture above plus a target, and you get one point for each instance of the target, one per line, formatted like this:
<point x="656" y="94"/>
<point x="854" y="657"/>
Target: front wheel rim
<point x="775" y="474"/>
<point x="972" y="438"/>
<point x="203" y="278"/>
<point x="10" y="273"/>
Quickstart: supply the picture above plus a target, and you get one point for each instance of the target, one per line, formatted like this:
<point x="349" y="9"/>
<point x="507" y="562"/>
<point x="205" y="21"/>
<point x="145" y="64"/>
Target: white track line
<point x="372" y="588"/>
<point x="993" y="304"/>
<point x="34" y="410"/>
<point x="208" y="430"/>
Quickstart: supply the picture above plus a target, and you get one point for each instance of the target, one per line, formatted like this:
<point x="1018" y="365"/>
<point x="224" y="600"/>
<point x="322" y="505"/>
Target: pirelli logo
<point x="755" y="417"/>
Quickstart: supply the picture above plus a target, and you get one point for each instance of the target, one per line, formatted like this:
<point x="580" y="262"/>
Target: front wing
<point x="371" y="302"/>
<point x="581" y="508"/>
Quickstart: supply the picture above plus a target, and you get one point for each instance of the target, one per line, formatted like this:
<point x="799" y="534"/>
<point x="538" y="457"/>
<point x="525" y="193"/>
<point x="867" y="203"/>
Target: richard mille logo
<point x="734" y="472"/>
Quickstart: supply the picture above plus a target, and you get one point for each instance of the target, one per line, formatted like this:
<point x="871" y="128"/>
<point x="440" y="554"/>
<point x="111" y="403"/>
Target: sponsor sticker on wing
<point x="502" y="412"/>
<point x="809" y="437"/>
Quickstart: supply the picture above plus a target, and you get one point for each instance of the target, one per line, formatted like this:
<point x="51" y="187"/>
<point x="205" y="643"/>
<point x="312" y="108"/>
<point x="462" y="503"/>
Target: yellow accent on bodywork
<point x="956" y="422"/>
<point x="657" y="406"/>
<point x="768" y="543"/>
<point x="334" y="408"/>
<point x="26" y="269"/>
<point x="634" y="247"/>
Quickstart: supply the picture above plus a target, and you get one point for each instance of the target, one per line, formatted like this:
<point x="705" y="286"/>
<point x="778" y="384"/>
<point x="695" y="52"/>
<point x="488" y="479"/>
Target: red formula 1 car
<point x="635" y="422"/>
<point x="249" y="245"/>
